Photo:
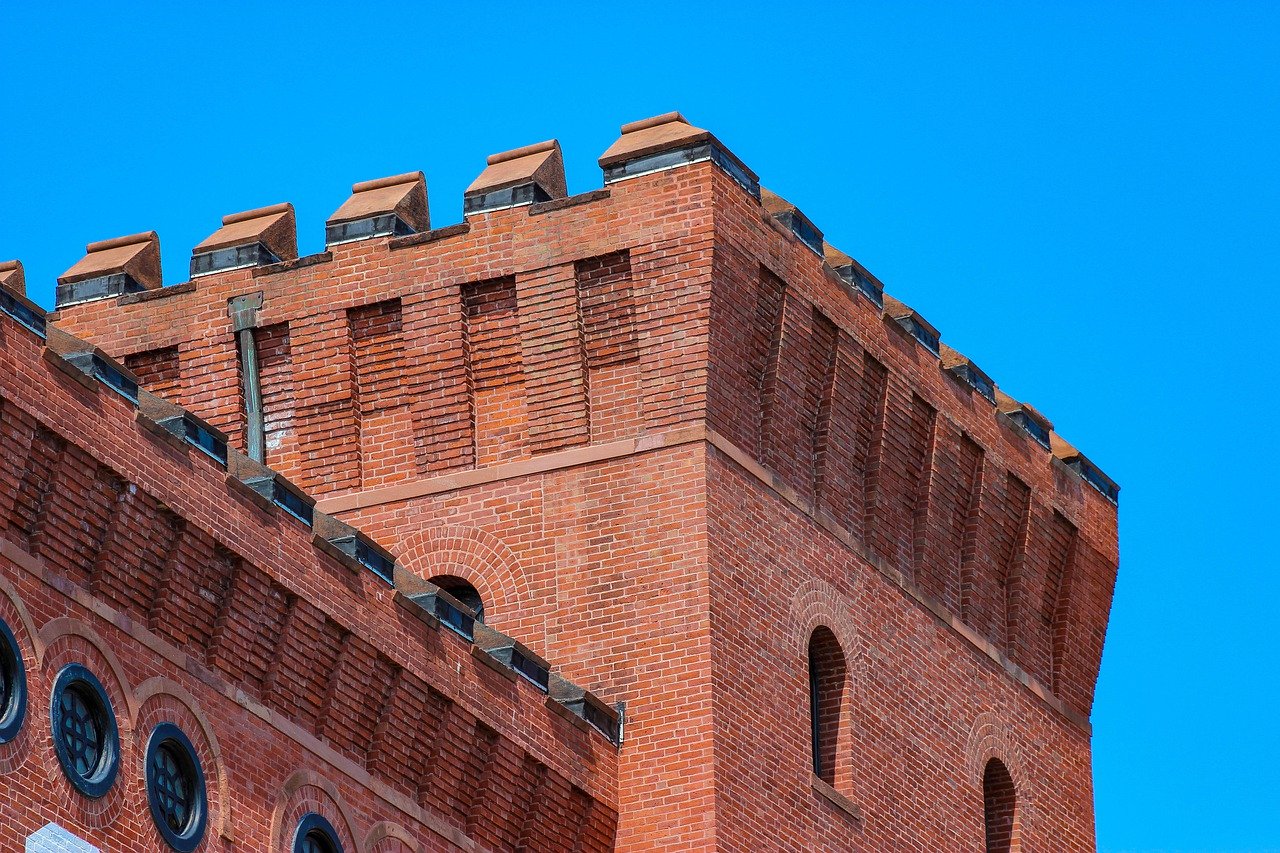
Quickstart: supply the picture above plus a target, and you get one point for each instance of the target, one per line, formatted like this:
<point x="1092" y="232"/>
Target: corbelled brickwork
<point x="680" y="447"/>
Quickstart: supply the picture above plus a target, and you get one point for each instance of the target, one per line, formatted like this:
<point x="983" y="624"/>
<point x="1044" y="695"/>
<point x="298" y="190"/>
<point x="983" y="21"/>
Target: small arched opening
<point x="999" y="807"/>
<point x="462" y="590"/>
<point x="826" y="692"/>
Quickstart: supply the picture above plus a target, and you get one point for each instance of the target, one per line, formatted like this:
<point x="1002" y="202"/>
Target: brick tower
<point x="755" y="561"/>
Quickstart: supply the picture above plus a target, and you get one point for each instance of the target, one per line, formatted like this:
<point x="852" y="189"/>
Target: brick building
<point x="640" y="519"/>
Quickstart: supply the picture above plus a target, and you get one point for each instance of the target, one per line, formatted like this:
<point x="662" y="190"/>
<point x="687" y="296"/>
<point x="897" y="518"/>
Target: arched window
<point x="999" y="807"/>
<point x="315" y="835"/>
<point x="463" y="591"/>
<point x="826" y="689"/>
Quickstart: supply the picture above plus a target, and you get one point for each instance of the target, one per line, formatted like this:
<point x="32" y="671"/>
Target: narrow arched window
<point x="999" y="807"/>
<point x="460" y="589"/>
<point x="826" y="690"/>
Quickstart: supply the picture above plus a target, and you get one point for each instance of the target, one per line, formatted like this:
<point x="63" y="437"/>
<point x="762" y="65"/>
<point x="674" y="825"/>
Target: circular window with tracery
<point x="13" y="685"/>
<point x="175" y="788"/>
<point x="315" y="835"/>
<point x="85" y="736"/>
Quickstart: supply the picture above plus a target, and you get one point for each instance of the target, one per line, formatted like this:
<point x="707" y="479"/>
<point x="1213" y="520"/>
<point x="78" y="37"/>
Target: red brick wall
<point x="665" y="443"/>
<point x="302" y="683"/>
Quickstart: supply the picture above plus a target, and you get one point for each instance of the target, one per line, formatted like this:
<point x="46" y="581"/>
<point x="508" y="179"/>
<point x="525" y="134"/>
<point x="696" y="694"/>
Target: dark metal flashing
<point x="926" y="338"/>
<point x="98" y="287"/>
<point x="515" y="656"/>
<point x="198" y="434"/>
<point x="1093" y="475"/>
<point x="284" y="495"/>
<point x="503" y="198"/>
<point x="232" y="258"/>
<point x="863" y="283"/>
<point x="25" y="312"/>
<point x="383" y="225"/>
<point x="203" y="437"/>
<point x="1030" y="426"/>
<point x="589" y="707"/>
<point x="112" y="375"/>
<point x="976" y="379"/>
<point x="453" y="614"/>
<point x="368" y="554"/>
<point x="806" y="232"/>
<point x="676" y="157"/>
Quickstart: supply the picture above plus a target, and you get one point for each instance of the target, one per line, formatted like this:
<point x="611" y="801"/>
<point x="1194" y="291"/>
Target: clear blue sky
<point x="1084" y="199"/>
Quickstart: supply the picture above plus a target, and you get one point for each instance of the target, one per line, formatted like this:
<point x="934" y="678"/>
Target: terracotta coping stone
<point x="774" y="203"/>
<point x="1006" y="405"/>
<point x="793" y="219"/>
<point x="661" y="133"/>
<point x="541" y="164"/>
<point x="833" y="256"/>
<point x="275" y="227"/>
<point x="137" y="255"/>
<point x="13" y="277"/>
<point x="954" y="358"/>
<point x="1061" y="448"/>
<point x="899" y="310"/>
<point x="404" y="195"/>
<point x="1065" y="453"/>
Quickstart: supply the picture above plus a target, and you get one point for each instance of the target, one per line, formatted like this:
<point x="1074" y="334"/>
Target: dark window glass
<point x="83" y="729"/>
<point x="175" y="788"/>
<point x="999" y="807"/>
<point x="85" y="737"/>
<point x="13" y="686"/>
<point x="464" y="592"/>
<point x="826" y="692"/>
<point x="315" y="835"/>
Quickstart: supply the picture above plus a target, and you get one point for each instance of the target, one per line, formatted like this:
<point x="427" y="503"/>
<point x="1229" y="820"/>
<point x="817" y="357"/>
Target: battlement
<point x="125" y="271"/>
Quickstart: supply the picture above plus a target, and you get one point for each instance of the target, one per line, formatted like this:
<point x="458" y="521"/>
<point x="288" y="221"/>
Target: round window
<point x="175" y="788"/>
<point x="84" y="731"/>
<point x="13" y="685"/>
<point x="315" y="835"/>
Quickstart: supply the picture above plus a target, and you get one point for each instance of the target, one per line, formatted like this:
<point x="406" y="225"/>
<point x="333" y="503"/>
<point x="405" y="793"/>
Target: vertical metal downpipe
<point x="244" y="319"/>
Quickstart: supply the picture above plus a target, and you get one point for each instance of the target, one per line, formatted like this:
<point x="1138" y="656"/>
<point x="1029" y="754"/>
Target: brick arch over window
<point x="64" y="641"/>
<point x="387" y="837"/>
<point x="818" y="605"/>
<point x="16" y="752"/>
<point x="65" y="626"/>
<point x="305" y="792"/>
<point x="14" y="612"/>
<point x="157" y="698"/>
<point x="477" y="556"/>
<point x="989" y="739"/>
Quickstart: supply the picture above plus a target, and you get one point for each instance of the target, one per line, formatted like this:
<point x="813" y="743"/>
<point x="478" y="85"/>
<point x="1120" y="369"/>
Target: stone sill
<point x="837" y="799"/>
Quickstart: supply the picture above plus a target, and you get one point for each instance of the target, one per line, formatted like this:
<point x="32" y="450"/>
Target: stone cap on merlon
<point x="397" y="206"/>
<point x="13" y="277"/>
<point x="394" y="206"/>
<point x="662" y="142"/>
<point x="265" y="235"/>
<point x="521" y="176"/>
<point x="111" y="268"/>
